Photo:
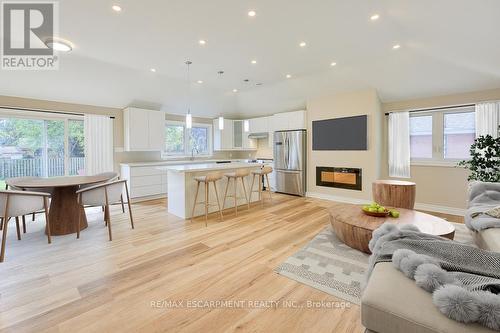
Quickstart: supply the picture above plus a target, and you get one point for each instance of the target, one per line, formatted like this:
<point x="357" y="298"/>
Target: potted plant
<point x="484" y="163"/>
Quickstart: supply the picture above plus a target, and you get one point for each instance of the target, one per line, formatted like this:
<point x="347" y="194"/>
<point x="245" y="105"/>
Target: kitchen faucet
<point x="192" y="152"/>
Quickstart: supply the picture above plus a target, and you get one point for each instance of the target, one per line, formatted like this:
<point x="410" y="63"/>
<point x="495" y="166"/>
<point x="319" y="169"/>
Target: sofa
<point x="393" y="303"/>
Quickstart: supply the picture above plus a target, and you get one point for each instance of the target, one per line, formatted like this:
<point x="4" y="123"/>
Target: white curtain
<point x="98" y="144"/>
<point x="487" y="118"/>
<point x="399" y="144"/>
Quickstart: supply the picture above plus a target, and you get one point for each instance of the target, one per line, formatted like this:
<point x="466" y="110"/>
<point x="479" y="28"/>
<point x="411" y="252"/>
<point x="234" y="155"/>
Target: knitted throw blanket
<point x="464" y="280"/>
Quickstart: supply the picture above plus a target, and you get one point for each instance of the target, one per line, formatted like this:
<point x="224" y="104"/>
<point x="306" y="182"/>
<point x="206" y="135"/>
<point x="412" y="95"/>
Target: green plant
<point x="484" y="163"/>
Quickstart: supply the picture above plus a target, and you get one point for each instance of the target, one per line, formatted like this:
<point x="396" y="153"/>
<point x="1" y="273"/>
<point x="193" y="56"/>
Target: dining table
<point x="64" y="207"/>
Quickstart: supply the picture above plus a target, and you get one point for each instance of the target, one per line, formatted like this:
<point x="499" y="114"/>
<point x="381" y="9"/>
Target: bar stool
<point x="238" y="174"/>
<point x="260" y="174"/>
<point x="209" y="178"/>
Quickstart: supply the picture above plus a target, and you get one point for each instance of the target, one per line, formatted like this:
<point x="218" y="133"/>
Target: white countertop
<point x="200" y="167"/>
<point x="176" y="162"/>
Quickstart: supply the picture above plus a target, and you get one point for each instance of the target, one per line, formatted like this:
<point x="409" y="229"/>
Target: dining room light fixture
<point x="189" y="118"/>
<point x="396" y="47"/>
<point x="202" y="42"/>
<point x="303" y="44"/>
<point x="252" y="13"/>
<point x="221" y="123"/>
<point x="374" y="17"/>
<point x="116" y="8"/>
<point x="246" y="126"/>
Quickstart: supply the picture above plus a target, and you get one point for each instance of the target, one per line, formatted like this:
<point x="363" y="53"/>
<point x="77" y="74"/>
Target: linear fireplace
<point x="347" y="178"/>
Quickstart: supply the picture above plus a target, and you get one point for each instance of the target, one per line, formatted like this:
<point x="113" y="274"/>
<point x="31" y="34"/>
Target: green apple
<point x="381" y="210"/>
<point x="394" y="213"/>
<point x="366" y="207"/>
<point x="372" y="209"/>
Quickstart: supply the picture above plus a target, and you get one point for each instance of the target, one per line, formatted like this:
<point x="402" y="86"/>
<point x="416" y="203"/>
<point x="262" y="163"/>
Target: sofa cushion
<point x="488" y="239"/>
<point x="392" y="303"/>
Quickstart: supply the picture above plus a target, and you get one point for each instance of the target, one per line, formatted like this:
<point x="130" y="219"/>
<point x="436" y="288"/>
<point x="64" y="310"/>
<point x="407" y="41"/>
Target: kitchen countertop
<point x="208" y="167"/>
<point x="177" y="162"/>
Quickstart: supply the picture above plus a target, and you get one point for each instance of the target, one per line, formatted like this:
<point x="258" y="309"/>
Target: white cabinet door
<point x="237" y="134"/>
<point x="135" y="124"/>
<point x="223" y="139"/>
<point x="280" y="122"/>
<point x="259" y="125"/>
<point x="156" y="130"/>
<point x="227" y="135"/>
<point x="296" y="120"/>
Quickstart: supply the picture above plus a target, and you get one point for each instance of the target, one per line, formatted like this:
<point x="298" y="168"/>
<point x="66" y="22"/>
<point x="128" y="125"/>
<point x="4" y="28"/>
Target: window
<point x="459" y="134"/>
<point x="174" y="139"/>
<point x="181" y="141"/>
<point x="442" y="135"/>
<point x="38" y="146"/>
<point x="421" y="136"/>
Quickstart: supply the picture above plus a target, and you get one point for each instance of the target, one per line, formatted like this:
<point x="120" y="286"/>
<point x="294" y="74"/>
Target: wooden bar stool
<point x="209" y="178"/>
<point x="238" y="174"/>
<point x="260" y="174"/>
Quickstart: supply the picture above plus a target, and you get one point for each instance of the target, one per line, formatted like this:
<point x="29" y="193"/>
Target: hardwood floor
<point x="137" y="281"/>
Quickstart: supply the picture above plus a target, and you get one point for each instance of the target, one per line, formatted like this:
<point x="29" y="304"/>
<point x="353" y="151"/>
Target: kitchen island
<point x="181" y="186"/>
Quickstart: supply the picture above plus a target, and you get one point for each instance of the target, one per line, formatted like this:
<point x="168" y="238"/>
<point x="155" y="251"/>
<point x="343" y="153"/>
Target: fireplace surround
<point x="346" y="178"/>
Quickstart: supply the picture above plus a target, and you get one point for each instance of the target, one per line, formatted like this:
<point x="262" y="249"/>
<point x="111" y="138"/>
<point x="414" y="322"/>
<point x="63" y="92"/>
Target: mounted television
<point x="349" y="133"/>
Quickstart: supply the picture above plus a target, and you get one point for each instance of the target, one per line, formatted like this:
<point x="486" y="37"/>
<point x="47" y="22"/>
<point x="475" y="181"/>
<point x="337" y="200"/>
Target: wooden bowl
<point x="377" y="214"/>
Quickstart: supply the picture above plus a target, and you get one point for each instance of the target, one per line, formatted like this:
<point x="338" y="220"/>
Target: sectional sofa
<point x="392" y="303"/>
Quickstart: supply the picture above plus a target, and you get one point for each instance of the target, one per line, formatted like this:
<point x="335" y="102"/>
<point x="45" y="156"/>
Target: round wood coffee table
<point x="355" y="228"/>
<point x="64" y="208"/>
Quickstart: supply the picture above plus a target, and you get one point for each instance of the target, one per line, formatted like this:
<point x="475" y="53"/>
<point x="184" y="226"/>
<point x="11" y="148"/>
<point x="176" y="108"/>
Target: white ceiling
<point x="447" y="46"/>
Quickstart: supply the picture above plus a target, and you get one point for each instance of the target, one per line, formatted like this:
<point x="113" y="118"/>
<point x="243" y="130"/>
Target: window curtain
<point x="487" y="119"/>
<point x="98" y="132"/>
<point x="399" y="144"/>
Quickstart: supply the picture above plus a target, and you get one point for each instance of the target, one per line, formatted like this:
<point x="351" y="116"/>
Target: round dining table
<point x="64" y="208"/>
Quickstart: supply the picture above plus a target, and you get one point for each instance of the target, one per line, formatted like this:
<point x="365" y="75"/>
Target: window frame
<point x="41" y="115"/>
<point x="187" y="132"/>
<point x="438" y="136"/>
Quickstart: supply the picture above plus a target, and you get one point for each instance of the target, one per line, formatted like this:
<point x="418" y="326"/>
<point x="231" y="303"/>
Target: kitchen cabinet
<point x="223" y="139"/>
<point x="232" y="137"/>
<point x="259" y="125"/>
<point x="237" y="134"/>
<point x="289" y="121"/>
<point x="144" y="130"/>
<point x="144" y="181"/>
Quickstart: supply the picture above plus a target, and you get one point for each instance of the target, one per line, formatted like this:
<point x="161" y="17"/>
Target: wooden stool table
<point x="354" y="228"/>
<point x="394" y="193"/>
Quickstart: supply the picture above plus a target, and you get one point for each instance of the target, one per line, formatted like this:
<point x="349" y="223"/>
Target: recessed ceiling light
<point x="252" y="13"/>
<point x="302" y="44"/>
<point x="374" y="17"/>
<point x="254" y="62"/>
<point x="288" y="76"/>
<point x="202" y="42"/>
<point x="153" y="70"/>
<point x="59" y="45"/>
<point x="116" y="8"/>
<point x="333" y="64"/>
<point x="200" y="81"/>
<point x="396" y="46"/>
<point x="235" y="90"/>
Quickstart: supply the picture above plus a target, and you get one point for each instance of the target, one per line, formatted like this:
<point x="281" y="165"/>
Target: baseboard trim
<point x="148" y="198"/>
<point x="419" y="206"/>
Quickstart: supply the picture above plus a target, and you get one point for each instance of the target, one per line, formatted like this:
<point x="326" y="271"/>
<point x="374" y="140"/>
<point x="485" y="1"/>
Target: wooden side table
<point x="394" y="193"/>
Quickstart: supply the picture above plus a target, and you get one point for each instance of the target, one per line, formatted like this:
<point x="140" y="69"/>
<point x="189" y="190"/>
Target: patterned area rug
<point x="329" y="265"/>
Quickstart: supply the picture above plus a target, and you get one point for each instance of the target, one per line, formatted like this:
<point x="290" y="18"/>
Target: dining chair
<point x="111" y="176"/>
<point x="19" y="203"/>
<point x="15" y="188"/>
<point x="103" y="194"/>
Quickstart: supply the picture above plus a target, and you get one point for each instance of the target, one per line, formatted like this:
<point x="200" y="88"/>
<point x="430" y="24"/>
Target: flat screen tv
<point x="349" y="133"/>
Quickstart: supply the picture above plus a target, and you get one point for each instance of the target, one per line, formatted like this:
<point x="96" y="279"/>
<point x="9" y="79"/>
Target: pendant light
<point x="189" y="118"/>
<point x="221" y="118"/>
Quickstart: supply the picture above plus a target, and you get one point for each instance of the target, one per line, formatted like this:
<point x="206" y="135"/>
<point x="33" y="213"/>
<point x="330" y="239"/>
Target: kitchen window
<point x="181" y="141"/>
<point x="441" y="136"/>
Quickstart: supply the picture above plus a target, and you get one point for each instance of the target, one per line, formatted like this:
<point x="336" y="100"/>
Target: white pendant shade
<point x="189" y="120"/>
<point x="221" y="123"/>
<point x="246" y="126"/>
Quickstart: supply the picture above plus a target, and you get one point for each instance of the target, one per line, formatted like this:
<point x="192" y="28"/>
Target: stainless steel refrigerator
<point x="290" y="161"/>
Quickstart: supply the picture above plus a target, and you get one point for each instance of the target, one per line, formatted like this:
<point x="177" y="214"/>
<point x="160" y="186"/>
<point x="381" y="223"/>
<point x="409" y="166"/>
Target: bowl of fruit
<point x="379" y="211"/>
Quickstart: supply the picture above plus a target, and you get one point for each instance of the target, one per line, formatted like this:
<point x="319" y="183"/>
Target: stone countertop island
<point x="181" y="189"/>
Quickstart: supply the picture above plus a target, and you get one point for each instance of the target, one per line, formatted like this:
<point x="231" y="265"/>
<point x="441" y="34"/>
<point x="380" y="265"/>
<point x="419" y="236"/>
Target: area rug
<point x="329" y="265"/>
